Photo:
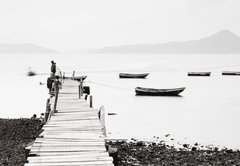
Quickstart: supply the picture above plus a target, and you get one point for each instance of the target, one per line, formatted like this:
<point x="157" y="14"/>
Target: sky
<point x="76" y="24"/>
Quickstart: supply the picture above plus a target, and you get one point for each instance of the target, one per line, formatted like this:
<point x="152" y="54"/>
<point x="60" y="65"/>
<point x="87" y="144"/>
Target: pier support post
<point x="56" y="86"/>
<point x="48" y="109"/>
<point x="73" y="75"/>
<point x="91" y="101"/>
<point x="86" y="96"/>
<point x="101" y="115"/>
<point x="80" y="88"/>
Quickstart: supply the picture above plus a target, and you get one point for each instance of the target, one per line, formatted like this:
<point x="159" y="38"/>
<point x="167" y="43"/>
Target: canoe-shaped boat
<point x="79" y="78"/>
<point x="199" y="73"/>
<point x="129" y="75"/>
<point x="158" y="92"/>
<point x="31" y="73"/>
<point x="231" y="73"/>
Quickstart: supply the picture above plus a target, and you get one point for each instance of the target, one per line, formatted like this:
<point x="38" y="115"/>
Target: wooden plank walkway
<point x="73" y="136"/>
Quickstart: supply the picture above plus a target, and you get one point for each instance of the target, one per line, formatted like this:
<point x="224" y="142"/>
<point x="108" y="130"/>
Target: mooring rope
<point x="109" y="86"/>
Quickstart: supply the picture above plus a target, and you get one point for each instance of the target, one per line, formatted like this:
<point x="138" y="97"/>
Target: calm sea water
<point x="207" y="112"/>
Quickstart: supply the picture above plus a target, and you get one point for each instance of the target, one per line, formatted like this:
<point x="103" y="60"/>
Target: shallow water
<point x="207" y="111"/>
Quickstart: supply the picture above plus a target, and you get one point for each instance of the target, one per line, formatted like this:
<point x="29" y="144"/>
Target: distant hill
<point x="24" y="48"/>
<point x="221" y="42"/>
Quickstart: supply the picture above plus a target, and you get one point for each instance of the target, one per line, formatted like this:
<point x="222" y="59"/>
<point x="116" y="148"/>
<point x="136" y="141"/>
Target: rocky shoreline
<point x="136" y="153"/>
<point x="16" y="134"/>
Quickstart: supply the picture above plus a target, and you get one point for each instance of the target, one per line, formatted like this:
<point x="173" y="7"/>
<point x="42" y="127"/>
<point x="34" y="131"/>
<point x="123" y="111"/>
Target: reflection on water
<point x="206" y="112"/>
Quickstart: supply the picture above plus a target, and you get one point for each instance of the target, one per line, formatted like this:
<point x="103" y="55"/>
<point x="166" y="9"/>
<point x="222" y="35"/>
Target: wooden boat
<point x="79" y="78"/>
<point x="129" y="75"/>
<point x="31" y="72"/>
<point x="158" y="92"/>
<point x="231" y="73"/>
<point x="199" y="73"/>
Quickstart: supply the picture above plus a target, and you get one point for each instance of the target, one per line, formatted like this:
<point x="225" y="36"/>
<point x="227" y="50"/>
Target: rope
<point x="109" y="86"/>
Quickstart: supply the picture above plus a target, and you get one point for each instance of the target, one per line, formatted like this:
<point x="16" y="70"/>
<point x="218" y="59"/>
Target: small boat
<point x="158" y="92"/>
<point x="231" y="73"/>
<point x="199" y="73"/>
<point x="79" y="78"/>
<point x="31" y="73"/>
<point x="128" y="75"/>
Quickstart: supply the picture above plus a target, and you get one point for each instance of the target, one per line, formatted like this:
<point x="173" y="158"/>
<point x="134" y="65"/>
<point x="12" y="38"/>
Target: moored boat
<point x="130" y="75"/>
<point x="30" y="72"/>
<point x="79" y="78"/>
<point x="231" y="73"/>
<point x="158" y="92"/>
<point x="199" y="73"/>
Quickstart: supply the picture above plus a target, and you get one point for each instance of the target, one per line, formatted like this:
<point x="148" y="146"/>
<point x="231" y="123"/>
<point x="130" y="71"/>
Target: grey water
<point x="207" y="112"/>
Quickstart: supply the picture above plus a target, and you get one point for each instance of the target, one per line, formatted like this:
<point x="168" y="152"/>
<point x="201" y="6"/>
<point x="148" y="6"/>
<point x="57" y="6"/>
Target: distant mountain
<point x="221" y="42"/>
<point x="24" y="48"/>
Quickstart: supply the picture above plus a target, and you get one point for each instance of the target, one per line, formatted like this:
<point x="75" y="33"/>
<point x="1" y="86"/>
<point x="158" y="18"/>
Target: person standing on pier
<point x="49" y="83"/>
<point x="53" y="68"/>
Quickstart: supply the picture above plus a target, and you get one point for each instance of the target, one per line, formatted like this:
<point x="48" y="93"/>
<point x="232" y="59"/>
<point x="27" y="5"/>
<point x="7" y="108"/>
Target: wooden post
<point x="86" y="96"/>
<point x="81" y="87"/>
<point x="102" y="119"/>
<point x="48" y="109"/>
<point x="91" y="101"/>
<point x="73" y="75"/>
<point x="56" y="96"/>
<point x="79" y="91"/>
<point x="63" y="75"/>
<point x="61" y="79"/>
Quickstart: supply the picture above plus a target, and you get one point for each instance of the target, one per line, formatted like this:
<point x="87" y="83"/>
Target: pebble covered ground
<point x="136" y="153"/>
<point x="15" y="135"/>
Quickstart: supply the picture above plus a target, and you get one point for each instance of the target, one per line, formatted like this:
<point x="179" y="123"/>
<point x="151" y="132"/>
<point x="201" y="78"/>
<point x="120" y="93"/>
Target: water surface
<point x="207" y="111"/>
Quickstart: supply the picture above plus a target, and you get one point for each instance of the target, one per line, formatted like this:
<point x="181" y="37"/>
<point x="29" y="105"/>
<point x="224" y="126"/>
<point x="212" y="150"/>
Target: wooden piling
<point x="73" y="75"/>
<point x="56" y="86"/>
<point x="81" y="87"/>
<point x="102" y="119"/>
<point x="91" y="101"/>
<point x="48" y="109"/>
<point x="79" y="91"/>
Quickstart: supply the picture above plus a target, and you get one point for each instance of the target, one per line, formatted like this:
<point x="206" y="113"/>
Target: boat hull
<point x="31" y="73"/>
<point x="231" y="73"/>
<point x="199" y="73"/>
<point x="158" y="92"/>
<point x="127" y="75"/>
<point x="80" y="78"/>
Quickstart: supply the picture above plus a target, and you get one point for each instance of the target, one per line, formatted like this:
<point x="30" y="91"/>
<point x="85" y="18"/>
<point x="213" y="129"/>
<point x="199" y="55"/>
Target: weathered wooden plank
<point x="69" y="154"/>
<point x="60" y="140"/>
<point x="90" y="163"/>
<point x="68" y="159"/>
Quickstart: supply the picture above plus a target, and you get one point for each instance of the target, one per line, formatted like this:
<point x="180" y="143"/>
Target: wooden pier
<point x="73" y="134"/>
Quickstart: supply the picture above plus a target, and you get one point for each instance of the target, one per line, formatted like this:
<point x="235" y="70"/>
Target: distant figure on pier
<point x="50" y="83"/>
<point x="53" y="67"/>
<point x="55" y="84"/>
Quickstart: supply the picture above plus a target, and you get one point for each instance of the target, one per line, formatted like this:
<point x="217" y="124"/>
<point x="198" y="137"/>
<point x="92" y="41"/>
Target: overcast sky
<point x="76" y="24"/>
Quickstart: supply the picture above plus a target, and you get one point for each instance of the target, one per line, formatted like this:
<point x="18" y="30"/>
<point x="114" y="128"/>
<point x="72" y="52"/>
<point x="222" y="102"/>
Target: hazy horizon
<point x="69" y="25"/>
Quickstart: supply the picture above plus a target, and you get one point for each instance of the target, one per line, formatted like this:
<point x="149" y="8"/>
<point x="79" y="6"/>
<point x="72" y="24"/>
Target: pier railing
<point x="101" y="115"/>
